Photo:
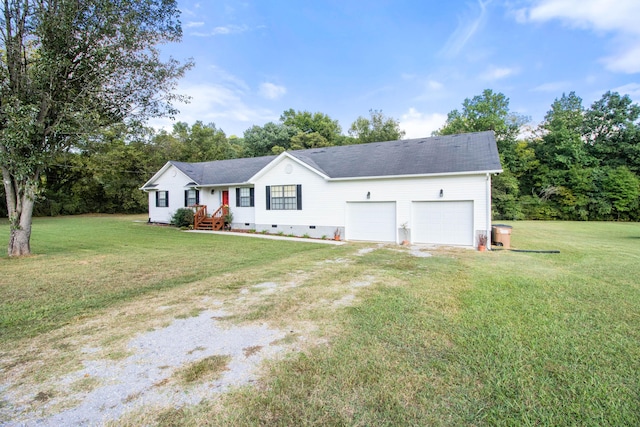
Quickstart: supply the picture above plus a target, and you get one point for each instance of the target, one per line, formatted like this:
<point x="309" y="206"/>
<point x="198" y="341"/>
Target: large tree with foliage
<point x="490" y="111"/>
<point x="376" y="128"/>
<point x="69" y="67"/>
<point x="325" y="130"/>
<point x="612" y="131"/>
<point x="272" y="138"/>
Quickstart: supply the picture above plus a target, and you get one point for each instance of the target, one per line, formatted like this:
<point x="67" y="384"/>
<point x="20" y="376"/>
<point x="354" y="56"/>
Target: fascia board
<point x="157" y="175"/>
<point x="279" y="159"/>
<point x="426" y="175"/>
<point x="225" y="184"/>
<point x="162" y="171"/>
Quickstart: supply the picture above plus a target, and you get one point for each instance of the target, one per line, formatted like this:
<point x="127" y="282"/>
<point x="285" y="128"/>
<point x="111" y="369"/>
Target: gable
<point x="168" y="173"/>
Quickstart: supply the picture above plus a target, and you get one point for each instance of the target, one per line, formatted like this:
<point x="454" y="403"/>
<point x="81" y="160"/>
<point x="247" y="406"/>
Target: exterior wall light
<point x="368" y="195"/>
<point x="441" y="193"/>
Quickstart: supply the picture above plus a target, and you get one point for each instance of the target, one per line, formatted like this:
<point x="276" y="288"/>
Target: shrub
<point x="182" y="218"/>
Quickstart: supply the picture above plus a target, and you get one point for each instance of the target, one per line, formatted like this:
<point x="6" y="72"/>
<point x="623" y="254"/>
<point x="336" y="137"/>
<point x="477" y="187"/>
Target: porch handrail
<point x="199" y="214"/>
<point x="221" y="212"/>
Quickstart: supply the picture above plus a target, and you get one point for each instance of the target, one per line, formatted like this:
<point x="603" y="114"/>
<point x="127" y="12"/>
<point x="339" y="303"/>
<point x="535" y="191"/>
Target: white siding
<point x="241" y="215"/>
<point x="173" y="181"/>
<point x="324" y="203"/>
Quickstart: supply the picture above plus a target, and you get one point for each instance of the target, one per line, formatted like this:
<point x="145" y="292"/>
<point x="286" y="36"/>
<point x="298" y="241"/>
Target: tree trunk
<point x="20" y="201"/>
<point x="19" y="242"/>
<point x="20" y="237"/>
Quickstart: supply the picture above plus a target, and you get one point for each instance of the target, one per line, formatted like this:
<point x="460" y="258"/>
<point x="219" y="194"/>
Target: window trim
<point x="249" y="200"/>
<point x="284" y="202"/>
<point x="187" y="198"/>
<point x="159" y="199"/>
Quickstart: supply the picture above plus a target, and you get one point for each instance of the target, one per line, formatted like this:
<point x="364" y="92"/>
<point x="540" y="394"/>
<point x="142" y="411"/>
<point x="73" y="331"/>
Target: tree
<point x="561" y="146"/>
<point x="309" y="123"/>
<point x="197" y="143"/>
<point x="612" y="132"/>
<point x="269" y="139"/>
<point x="304" y="140"/>
<point x="68" y="68"/>
<point x="378" y="128"/>
<point x="490" y="111"/>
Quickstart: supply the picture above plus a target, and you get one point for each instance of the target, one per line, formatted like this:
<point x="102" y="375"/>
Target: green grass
<point x="210" y="368"/>
<point x="460" y="338"/>
<point x="498" y="338"/>
<point x="88" y="263"/>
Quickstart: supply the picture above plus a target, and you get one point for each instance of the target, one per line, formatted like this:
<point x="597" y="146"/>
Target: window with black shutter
<point x="284" y="197"/>
<point x="162" y="199"/>
<point x="244" y="197"/>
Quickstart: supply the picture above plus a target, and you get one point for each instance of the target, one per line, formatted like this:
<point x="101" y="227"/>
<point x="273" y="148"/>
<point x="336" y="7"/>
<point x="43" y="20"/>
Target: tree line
<point x="578" y="164"/>
<point x="103" y="172"/>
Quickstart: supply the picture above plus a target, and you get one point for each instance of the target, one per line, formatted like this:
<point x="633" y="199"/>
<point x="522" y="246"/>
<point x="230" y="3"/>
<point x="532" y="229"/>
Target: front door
<point x="225" y="197"/>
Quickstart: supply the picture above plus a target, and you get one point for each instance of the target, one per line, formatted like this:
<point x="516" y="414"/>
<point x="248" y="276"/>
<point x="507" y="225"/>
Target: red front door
<point x="225" y="197"/>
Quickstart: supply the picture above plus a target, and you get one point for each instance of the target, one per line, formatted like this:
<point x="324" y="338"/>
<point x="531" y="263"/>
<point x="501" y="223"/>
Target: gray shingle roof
<point x="233" y="171"/>
<point x="469" y="152"/>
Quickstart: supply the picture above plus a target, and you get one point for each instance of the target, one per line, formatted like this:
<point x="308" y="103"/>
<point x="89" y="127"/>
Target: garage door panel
<point x="445" y="223"/>
<point x="371" y="221"/>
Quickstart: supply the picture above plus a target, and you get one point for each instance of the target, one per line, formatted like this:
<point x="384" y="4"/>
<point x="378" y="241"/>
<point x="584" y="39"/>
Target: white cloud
<point x="223" y="105"/>
<point x="228" y="79"/>
<point x="468" y="25"/>
<point x="626" y="60"/>
<point x="434" y="85"/>
<point x="419" y="125"/>
<point x="617" y="17"/>
<point x="498" y="73"/>
<point x="272" y="91"/>
<point x="631" y="89"/>
<point x="222" y="30"/>
<point x="193" y="24"/>
<point x="601" y="15"/>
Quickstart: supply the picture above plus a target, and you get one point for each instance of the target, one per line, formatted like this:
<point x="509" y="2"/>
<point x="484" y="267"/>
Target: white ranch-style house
<point x="433" y="190"/>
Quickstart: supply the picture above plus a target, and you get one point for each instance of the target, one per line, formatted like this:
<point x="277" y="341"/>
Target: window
<point x="244" y="197"/>
<point x="284" y="197"/>
<point x="191" y="197"/>
<point x="162" y="199"/>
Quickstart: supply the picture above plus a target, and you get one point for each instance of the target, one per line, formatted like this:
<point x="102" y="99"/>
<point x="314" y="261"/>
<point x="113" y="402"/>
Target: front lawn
<point x="458" y="338"/>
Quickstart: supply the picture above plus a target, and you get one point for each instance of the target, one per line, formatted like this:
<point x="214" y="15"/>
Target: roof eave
<point x="278" y="159"/>
<point x="424" y="175"/>
<point x="225" y="184"/>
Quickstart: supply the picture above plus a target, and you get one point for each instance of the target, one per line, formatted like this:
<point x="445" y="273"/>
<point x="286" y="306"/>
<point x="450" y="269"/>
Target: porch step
<point x="211" y="224"/>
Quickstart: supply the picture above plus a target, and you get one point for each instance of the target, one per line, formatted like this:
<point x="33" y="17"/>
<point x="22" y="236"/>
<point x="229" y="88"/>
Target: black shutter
<point x="197" y="197"/>
<point x="157" y="197"/>
<point x="237" y="196"/>
<point x="299" y="196"/>
<point x="251" y="197"/>
<point x="166" y="197"/>
<point x="186" y="197"/>
<point x="268" y="197"/>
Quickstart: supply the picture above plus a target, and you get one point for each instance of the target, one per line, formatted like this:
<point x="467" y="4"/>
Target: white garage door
<point x="444" y="223"/>
<point x="372" y="221"/>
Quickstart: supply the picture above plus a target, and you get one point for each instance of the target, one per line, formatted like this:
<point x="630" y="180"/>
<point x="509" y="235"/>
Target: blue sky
<point x="413" y="60"/>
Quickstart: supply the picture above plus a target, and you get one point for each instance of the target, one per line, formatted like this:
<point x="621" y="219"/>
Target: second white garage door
<point x="372" y="221"/>
<point x="443" y="223"/>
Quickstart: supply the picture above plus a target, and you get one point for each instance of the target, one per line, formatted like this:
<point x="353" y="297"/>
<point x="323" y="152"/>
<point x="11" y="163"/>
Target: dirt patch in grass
<point x="175" y="347"/>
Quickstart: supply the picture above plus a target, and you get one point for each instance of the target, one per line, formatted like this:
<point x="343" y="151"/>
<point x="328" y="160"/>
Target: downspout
<point x="488" y="195"/>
